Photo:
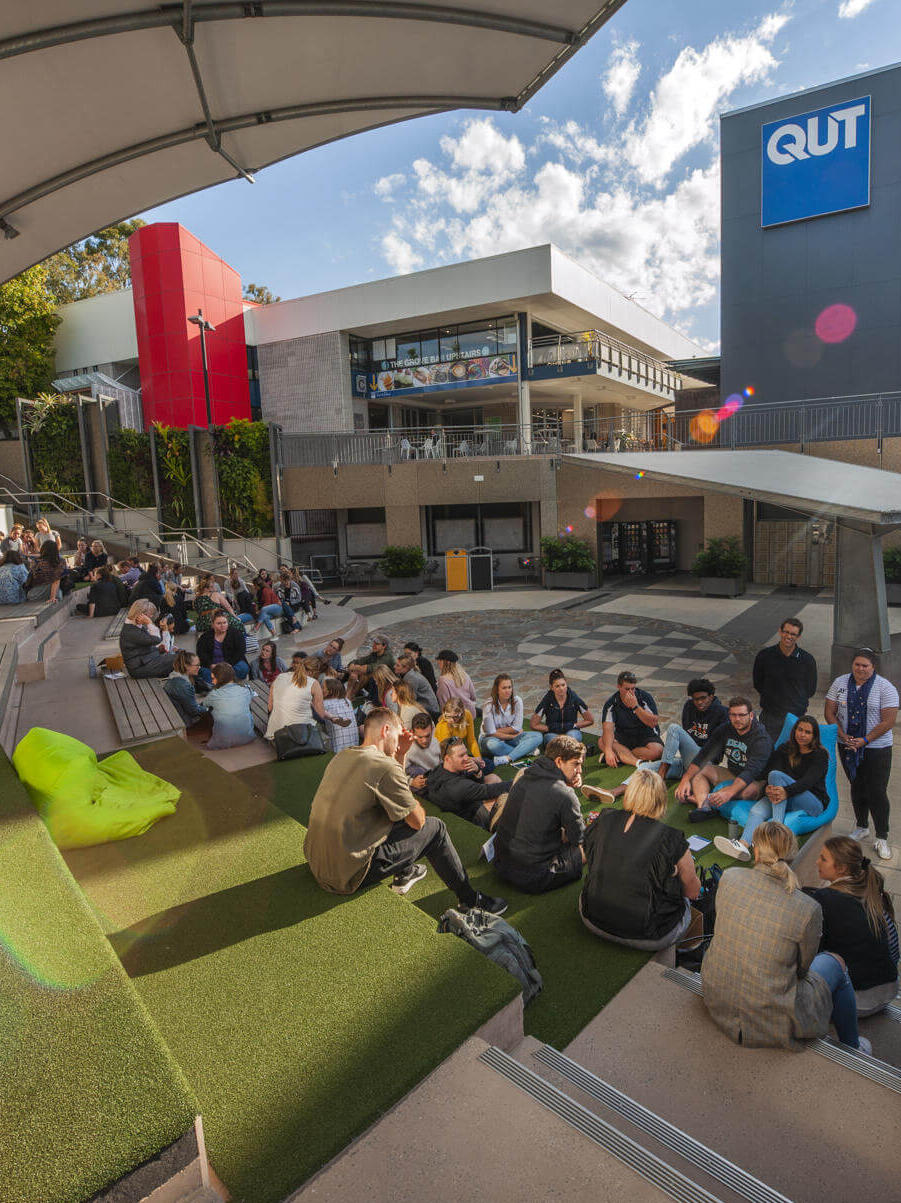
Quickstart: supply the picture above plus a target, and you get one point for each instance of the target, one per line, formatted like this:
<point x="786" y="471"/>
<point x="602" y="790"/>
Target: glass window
<point x="450" y="345"/>
<point x="408" y="351"/>
<point x="507" y="333"/>
<point x="431" y="347"/>
<point x="475" y="340"/>
<point x="505" y="526"/>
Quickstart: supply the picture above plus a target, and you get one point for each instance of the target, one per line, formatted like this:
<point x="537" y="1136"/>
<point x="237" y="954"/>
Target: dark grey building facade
<point x="806" y="150"/>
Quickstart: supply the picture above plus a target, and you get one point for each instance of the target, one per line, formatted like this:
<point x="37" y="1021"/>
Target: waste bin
<point x="481" y="568"/>
<point x="456" y="570"/>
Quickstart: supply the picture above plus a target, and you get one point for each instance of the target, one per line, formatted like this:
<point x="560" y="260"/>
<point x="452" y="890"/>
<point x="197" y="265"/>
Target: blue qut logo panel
<point x="816" y="163"/>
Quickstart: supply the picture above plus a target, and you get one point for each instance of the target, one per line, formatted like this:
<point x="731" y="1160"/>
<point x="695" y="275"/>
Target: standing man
<point x="365" y="825"/>
<point x="747" y="747"/>
<point x="630" y="734"/>
<point x="785" y="676"/>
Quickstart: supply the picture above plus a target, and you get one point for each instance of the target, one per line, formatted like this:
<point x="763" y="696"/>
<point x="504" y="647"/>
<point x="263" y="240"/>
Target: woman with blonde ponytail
<point x="858" y="922"/>
<point x="765" y="983"/>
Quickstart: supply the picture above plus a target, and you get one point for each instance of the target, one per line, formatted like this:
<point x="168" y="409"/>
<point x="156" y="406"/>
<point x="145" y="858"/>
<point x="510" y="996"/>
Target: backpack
<point x="499" y="942"/>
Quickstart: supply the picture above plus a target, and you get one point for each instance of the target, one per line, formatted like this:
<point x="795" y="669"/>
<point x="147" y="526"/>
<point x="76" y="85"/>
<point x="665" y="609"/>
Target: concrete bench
<point x="38" y="612"/>
<point x="141" y="710"/>
<point x="114" y="630"/>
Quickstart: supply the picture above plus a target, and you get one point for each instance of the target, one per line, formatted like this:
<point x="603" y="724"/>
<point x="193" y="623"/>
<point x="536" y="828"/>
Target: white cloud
<point x="621" y="76"/>
<point x="853" y="8"/>
<point x="386" y="186"/>
<point x="400" y="254"/>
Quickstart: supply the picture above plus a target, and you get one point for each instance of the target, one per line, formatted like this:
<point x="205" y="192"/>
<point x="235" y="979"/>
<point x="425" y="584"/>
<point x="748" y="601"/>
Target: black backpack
<point x="499" y="941"/>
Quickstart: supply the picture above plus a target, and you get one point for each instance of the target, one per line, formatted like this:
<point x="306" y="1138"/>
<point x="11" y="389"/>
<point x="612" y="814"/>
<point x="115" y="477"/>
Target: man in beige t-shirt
<point x="366" y="825"/>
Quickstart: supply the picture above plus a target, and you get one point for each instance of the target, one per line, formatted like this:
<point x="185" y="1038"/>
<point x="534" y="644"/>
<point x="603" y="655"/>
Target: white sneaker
<point x="501" y="760"/>
<point x="734" y="848"/>
<point x="864" y="1046"/>
<point x="859" y="833"/>
<point x="883" y="850"/>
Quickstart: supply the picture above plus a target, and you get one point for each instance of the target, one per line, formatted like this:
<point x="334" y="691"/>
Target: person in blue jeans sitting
<point x="796" y="780"/>
<point x="560" y="711"/>
<point x="702" y="713"/>
<point x="503" y="737"/>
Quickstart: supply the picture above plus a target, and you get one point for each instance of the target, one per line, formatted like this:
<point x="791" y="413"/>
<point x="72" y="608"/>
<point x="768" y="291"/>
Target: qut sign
<point x="816" y="163"/>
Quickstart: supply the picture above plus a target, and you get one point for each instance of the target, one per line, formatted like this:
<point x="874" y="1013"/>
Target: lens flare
<point x="704" y="426"/>
<point x="749" y="390"/>
<point x="569" y="529"/>
<point x="638" y="475"/>
<point x="590" y="511"/>
<point x="836" y="323"/>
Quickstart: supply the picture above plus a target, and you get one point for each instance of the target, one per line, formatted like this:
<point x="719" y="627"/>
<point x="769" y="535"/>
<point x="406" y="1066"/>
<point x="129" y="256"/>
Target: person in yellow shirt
<point x="456" y="720"/>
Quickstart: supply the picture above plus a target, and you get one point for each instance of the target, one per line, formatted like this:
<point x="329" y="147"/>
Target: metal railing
<point x="596" y="347"/>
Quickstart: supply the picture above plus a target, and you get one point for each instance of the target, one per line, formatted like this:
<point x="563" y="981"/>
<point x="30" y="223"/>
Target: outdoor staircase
<point x="651" y="1101"/>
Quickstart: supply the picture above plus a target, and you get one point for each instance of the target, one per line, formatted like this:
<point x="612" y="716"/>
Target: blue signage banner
<point x="816" y="163"/>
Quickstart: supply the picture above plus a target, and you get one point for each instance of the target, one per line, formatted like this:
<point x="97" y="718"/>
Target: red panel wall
<point x="173" y="275"/>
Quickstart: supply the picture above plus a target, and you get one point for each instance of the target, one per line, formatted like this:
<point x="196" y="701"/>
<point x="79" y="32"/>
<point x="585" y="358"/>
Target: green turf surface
<point x="297" y="1017"/>
<point x="88" y="1089"/>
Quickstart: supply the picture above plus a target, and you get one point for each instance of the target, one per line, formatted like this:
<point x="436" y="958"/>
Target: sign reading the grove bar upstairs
<point x="816" y="163"/>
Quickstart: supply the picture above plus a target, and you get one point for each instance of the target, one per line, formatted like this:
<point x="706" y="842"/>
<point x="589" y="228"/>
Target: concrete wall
<point x="12" y="463"/>
<point x="305" y="383"/>
<point x="776" y="281"/>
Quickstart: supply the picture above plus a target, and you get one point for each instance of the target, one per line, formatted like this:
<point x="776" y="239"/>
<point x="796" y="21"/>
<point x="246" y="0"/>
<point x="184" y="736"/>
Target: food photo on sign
<point x="457" y="371"/>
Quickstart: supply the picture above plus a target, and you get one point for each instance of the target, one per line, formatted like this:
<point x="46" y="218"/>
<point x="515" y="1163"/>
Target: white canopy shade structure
<point x="113" y="108"/>
<point x="865" y="503"/>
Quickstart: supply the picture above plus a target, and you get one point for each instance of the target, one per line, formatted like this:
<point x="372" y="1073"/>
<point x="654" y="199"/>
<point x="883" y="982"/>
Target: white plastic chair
<point x="510" y="447"/>
<point x="406" y="449"/>
<point x="428" y="448"/>
<point x="463" y="448"/>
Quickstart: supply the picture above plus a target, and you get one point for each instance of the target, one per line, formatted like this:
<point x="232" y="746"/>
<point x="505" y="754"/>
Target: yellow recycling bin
<point x="456" y="569"/>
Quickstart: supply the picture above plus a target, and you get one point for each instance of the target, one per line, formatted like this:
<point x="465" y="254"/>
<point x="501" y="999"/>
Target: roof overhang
<point x="784" y="478"/>
<point x="116" y="112"/>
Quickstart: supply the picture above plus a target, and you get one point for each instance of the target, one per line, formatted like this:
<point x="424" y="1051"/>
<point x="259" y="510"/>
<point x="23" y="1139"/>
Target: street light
<point x="203" y="325"/>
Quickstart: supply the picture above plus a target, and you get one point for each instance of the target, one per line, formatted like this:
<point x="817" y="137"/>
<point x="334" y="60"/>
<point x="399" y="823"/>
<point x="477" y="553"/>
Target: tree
<point x="27" y="324"/>
<point x="94" y="265"/>
<point x="259" y="293"/>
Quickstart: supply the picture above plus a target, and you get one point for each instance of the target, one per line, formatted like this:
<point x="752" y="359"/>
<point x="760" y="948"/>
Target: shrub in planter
<point x="721" y="567"/>
<point x="404" y="567"/>
<point x="568" y="562"/>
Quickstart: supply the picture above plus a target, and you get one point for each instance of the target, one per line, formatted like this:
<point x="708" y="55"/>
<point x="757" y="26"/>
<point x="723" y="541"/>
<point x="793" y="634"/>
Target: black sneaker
<point x="701" y="814"/>
<point x="408" y="878"/>
<point x="484" y="902"/>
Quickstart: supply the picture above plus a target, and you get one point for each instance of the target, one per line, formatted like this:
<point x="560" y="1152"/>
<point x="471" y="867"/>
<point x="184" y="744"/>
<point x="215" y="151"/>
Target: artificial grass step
<point x="297" y="1017"/>
<point x="89" y="1088"/>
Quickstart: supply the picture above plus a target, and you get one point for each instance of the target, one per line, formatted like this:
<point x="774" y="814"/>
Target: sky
<point x="615" y="160"/>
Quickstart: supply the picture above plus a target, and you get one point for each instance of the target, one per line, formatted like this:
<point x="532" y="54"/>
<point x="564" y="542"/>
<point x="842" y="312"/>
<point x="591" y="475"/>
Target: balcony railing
<point x="834" y="419"/>
<point x="595" y="347"/>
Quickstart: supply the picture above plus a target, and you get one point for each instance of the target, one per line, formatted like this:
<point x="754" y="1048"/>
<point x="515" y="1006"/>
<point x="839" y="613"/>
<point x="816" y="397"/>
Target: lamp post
<point x="203" y="325"/>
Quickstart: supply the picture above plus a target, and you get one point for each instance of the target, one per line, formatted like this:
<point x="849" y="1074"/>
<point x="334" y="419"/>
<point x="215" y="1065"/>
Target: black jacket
<point x="785" y="683"/>
<point x="140" y="651"/>
<point x="234" y="647"/>
<point x="107" y="598"/>
<point x="460" y="794"/>
<point x="847" y="931"/>
<point x="149" y="588"/>
<point x="810" y="773"/>
<point x="540" y="807"/>
<point x="746" y="755"/>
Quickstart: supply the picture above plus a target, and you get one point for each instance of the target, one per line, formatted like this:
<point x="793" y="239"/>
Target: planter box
<point x="721" y="586"/>
<point x="569" y="580"/>
<point x="406" y="584"/>
<point x="893" y="593"/>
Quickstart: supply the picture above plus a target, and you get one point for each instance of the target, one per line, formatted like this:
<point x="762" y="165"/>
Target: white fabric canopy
<point x="803" y="482"/>
<point x="109" y="112"/>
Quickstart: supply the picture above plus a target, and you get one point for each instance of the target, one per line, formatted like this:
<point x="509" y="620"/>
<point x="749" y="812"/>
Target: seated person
<point x="268" y="664"/>
<point x="180" y="688"/>
<point x="223" y="644"/>
<point x="561" y="711"/>
<point x="230" y="705"/>
<point x="746" y="746"/>
<point x="420" y="663"/>
<point x="344" y="732"/>
<point x="365" y="825"/>
<point x="331" y="654"/>
<point x="502" y="735"/>
<point x="95" y="557"/>
<point x="702" y="713"/>
<point x="640" y="876"/>
<point x="106" y="595"/>
<point x="424" y="753"/>
<point x="451" y="787"/>
<point x="858" y="922"/>
<point x="44" y="580"/>
<point x="630" y="734"/>
<point x="405" y="667"/>
<point x="380" y="654"/>
<point x="129" y="572"/>
<point x="765" y="984"/>
<point x="796" y="780"/>
<point x="139" y="642"/>
<point x="13" y="575"/>
<point x="538" y="837"/>
<point x="457" y="720"/>
<point x="454" y="681"/>
<point x="405" y="703"/>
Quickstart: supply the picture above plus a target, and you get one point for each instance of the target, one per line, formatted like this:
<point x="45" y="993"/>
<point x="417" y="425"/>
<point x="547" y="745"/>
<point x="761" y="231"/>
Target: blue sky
<point x="615" y="160"/>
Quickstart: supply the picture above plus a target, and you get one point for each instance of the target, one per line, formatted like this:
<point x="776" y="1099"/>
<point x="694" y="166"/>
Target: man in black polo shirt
<point x="630" y="730"/>
<point x="785" y="676"/>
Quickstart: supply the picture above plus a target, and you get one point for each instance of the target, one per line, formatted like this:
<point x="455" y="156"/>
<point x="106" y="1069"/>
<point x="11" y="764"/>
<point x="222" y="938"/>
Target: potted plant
<point x="568" y="563"/>
<point x="721" y="567"/>
<point x="891" y="558"/>
<point x="404" y="567"/>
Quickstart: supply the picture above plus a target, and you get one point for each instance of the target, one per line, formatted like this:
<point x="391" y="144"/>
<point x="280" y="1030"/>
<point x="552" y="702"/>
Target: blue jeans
<point x="844" y="1004"/>
<point x="247" y="618"/>
<point x="267" y="613"/>
<point x="763" y="810"/>
<point x="241" y="667"/>
<point x="522" y="745"/>
<point x="679" y="750"/>
<point x="549" y="735"/>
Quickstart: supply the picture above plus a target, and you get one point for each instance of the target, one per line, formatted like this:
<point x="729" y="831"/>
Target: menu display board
<point x="480" y="370"/>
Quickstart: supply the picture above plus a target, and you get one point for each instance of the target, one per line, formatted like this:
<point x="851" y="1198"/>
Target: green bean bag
<point x="84" y="801"/>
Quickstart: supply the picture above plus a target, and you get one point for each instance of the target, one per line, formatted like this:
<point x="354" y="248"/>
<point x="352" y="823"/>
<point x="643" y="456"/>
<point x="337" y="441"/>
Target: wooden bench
<point x="142" y="710"/>
<point x="114" y="630"/>
<point x="259" y="706"/>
